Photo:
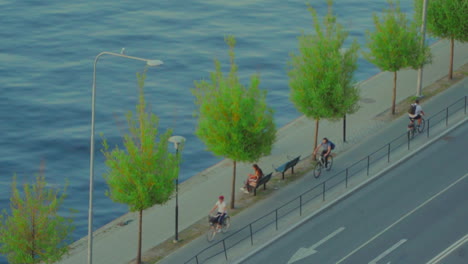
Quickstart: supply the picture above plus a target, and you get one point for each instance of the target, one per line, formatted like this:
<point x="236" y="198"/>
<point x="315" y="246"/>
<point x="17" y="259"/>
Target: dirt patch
<point x="428" y="92"/>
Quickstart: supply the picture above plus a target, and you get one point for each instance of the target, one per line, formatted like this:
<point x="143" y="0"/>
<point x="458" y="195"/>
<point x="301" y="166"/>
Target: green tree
<point x="446" y="19"/>
<point x="234" y="121"/>
<point x="143" y="174"/>
<point x="322" y="73"/>
<point x="395" y="44"/>
<point x="35" y="232"/>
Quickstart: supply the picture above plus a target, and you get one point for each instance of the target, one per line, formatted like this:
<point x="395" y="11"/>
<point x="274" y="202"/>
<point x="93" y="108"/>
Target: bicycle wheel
<point x="210" y="235"/>
<point x="421" y="127"/>
<point x="330" y="162"/>
<point x="317" y="169"/>
<point x="226" y="224"/>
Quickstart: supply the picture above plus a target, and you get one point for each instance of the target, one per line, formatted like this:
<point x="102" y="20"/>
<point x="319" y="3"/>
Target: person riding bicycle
<point x="326" y="150"/>
<point x="222" y="212"/>
<point x="415" y="112"/>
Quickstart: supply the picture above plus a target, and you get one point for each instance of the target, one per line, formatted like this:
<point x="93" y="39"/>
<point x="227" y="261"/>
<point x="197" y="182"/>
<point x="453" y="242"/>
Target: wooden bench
<point x="286" y="166"/>
<point x="263" y="181"/>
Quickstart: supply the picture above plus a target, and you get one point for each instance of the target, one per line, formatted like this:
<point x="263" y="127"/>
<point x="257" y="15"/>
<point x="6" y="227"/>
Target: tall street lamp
<point x="91" y="160"/>
<point x="177" y="140"/>
<point x="423" y="37"/>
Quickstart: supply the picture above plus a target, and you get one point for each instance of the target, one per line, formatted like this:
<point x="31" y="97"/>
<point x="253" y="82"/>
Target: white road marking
<point x="305" y="252"/>
<point x="386" y="252"/>
<point x="402" y="218"/>
<point x="448" y="250"/>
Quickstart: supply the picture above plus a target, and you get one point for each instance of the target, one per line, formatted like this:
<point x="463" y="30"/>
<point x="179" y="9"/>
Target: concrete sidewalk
<point x="117" y="244"/>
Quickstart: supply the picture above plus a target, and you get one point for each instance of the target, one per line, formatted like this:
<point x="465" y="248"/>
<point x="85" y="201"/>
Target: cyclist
<point x="222" y="212"/>
<point x="326" y="150"/>
<point x="417" y="112"/>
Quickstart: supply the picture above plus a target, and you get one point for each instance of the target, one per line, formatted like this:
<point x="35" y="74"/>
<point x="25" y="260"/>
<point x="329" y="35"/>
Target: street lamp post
<point x="177" y="140"/>
<point x="343" y="52"/>
<point x="423" y="37"/>
<point x="91" y="159"/>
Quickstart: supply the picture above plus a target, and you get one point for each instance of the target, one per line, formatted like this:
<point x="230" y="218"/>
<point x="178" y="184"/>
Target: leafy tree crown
<point x="396" y="42"/>
<point x="321" y="74"/>
<point x="234" y="121"/>
<point x="447" y="19"/>
<point x="143" y="174"/>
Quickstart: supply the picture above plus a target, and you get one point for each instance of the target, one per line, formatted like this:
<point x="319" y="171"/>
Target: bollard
<point x="347" y="177"/>
<point x="446" y="116"/>
<point x="388" y="153"/>
<point x="276" y="219"/>
<point x="465" y="104"/>
<point x="225" y="253"/>
<point x="368" y="163"/>
<point x="409" y="139"/>
<point x="323" y="190"/>
<point x="300" y="205"/>
<point x="428" y="126"/>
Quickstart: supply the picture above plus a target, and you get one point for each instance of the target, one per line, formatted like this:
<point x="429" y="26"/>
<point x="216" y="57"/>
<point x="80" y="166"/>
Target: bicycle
<point x="321" y="164"/>
<point x="210" y="235"/>
<point x="415" y="128"/>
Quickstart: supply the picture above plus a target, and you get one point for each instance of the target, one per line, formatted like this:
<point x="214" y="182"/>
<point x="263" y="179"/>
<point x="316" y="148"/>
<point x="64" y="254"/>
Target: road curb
<point x="448" y="250"/>
<point x="352" y="191"/>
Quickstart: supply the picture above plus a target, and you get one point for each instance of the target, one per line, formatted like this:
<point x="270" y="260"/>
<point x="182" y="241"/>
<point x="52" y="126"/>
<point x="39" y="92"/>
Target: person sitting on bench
<point x="252" y="179"/>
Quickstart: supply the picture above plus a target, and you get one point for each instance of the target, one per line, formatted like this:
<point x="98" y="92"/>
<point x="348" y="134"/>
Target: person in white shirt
<point x="222" y="212"/>
<point x="417" y="113"/>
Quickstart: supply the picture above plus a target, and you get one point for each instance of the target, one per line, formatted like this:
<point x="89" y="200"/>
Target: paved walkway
<point x="117" y="244"/>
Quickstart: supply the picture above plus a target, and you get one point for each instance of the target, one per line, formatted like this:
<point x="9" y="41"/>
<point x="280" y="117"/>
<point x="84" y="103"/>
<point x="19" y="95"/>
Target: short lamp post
<point x="177" y="140"/>
<point x="343" y="52"/>
<point x="91" y="158"/>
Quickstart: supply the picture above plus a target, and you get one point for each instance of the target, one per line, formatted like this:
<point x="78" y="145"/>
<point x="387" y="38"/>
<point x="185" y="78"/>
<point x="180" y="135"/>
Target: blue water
<point x="47" y="51"/>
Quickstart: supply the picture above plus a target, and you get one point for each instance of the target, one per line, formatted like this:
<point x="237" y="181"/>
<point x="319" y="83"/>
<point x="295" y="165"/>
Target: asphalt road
<point x="412" y="214"/>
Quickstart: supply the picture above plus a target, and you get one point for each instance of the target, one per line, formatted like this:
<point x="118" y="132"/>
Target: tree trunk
<point x="233" y="186"/>
<point x="140" y="231"/>
<point x="316" y="136"/>
<point x="452" y="42"/>
<point x="394" y="92"/>
<point x="344" y="128"/>
<point x="33" y="238"/>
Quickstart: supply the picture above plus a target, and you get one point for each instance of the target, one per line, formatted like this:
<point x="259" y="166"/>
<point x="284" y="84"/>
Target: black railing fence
<point x="342" y="178"/>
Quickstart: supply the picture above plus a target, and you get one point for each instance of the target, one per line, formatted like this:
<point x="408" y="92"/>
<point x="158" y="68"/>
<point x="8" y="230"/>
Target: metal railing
<point x="271" y="219"/>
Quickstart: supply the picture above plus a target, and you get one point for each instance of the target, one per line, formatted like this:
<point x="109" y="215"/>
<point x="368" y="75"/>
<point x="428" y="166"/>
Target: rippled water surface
<point x="46" y="65"/>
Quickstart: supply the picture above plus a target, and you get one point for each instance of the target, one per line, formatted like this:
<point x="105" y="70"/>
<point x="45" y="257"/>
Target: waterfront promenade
<point x="114" y="243"/>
